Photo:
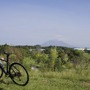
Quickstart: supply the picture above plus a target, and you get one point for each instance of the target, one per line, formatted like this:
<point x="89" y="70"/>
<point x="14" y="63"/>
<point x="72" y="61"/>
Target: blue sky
<point x="30" y="22"/>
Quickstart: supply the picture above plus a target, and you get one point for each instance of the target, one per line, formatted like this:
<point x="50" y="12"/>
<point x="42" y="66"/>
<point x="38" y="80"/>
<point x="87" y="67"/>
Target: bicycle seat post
<point x="7" y="60"/>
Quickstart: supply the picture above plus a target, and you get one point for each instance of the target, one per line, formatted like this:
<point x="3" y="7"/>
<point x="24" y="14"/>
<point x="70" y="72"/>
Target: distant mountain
<point x="56" y="43"/>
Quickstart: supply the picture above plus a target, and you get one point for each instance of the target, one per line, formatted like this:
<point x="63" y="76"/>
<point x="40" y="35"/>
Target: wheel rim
<point x="18" y="74"/>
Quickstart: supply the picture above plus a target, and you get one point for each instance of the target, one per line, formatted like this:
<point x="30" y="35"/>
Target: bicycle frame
<point x="15" y="71"/>
<point x="7" y="63"/>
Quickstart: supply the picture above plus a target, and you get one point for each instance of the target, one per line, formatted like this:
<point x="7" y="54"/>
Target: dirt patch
<point x="86" y="84"/>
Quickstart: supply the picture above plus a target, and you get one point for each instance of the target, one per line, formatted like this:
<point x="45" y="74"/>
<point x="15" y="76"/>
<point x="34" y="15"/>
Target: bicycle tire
<point x="18" y="74"/>
<point x="1" y="72"/>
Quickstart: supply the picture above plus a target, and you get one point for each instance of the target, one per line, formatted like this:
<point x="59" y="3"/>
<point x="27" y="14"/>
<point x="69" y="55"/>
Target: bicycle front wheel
<point x="18" y="74"/>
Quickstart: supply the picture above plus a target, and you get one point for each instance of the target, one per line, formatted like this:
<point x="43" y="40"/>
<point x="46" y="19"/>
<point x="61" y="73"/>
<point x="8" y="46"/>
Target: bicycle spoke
<point x="19" y="74"/>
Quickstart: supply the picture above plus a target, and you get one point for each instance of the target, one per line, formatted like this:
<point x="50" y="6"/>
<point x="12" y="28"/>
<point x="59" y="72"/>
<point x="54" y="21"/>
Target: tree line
<point x="50" y="58"/>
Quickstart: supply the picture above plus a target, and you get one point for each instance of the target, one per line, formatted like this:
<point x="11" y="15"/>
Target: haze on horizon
<point x="30" y="22"/>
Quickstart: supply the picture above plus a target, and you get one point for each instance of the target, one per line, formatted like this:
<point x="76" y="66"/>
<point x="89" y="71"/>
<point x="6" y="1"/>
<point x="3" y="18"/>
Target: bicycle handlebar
<point x="7" y="53"/>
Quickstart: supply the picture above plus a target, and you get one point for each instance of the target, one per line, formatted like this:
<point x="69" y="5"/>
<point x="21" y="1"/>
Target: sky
<point x="31" y="22"/>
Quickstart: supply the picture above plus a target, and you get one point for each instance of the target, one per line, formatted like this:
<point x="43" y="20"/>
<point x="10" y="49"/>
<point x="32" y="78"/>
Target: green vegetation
<point x="55" y="68"/>
<point x="65" y="80"/>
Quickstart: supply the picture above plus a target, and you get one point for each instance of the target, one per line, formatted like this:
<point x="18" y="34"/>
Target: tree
<point x="53" y="58"/>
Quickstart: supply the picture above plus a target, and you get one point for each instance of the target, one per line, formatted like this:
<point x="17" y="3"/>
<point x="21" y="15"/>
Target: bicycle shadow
<point x="1" y="89"/>
<point x="5" y="82"/>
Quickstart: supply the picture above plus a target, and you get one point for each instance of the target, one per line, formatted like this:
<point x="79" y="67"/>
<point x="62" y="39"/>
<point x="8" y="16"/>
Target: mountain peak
<point x="56" y="43"/>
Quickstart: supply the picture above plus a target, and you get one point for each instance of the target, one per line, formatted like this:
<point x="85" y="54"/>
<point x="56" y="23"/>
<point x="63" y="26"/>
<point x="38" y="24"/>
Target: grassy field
<point x="65" y="80"/>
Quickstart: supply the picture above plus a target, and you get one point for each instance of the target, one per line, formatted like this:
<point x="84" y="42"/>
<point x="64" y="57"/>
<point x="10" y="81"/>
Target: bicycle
<point x="15" y="71"/>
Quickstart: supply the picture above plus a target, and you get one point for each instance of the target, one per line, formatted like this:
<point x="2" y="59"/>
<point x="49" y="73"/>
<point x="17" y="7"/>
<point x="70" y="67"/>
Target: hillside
<point x="56" y="43"/>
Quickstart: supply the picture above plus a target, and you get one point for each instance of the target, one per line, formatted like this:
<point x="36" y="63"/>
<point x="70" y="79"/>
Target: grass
<point x="65" y="80"/>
